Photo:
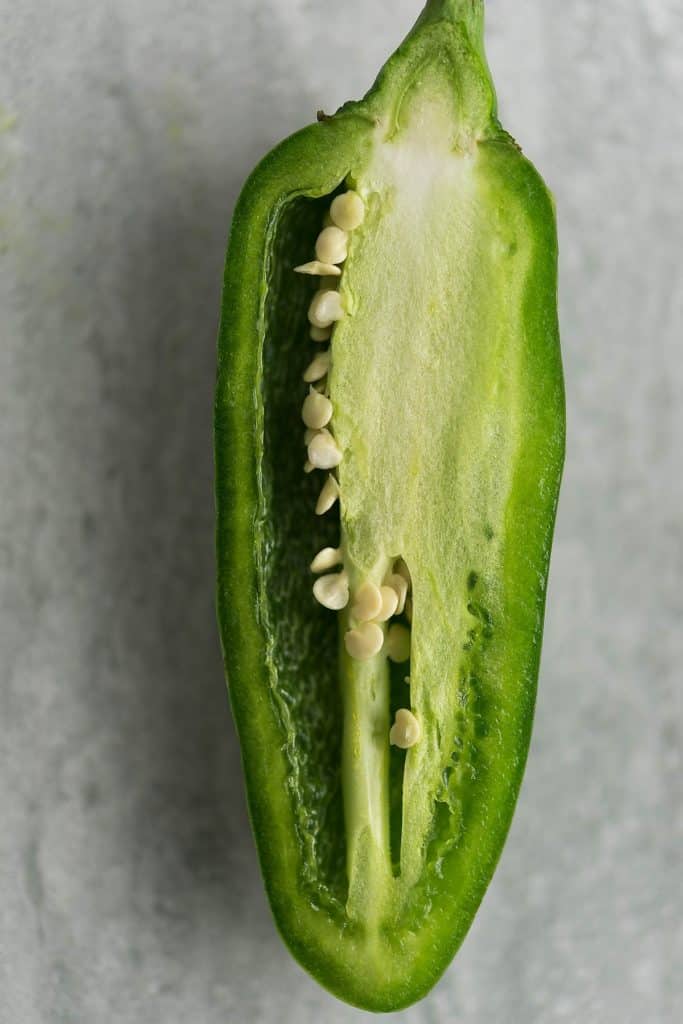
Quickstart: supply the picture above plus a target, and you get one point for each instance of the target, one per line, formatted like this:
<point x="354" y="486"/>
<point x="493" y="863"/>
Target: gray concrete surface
<point x="128" y="885"/>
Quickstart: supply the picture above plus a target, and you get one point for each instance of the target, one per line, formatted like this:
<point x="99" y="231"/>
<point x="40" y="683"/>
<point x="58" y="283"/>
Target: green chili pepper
<point x="384" y="699"/>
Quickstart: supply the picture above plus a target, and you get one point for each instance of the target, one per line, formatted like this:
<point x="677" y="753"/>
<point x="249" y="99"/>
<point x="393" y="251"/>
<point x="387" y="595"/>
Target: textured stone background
<point x="129" y="888"/>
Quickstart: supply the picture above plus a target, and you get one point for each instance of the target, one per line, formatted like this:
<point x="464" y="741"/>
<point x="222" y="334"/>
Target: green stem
<point x="469" y="11"/>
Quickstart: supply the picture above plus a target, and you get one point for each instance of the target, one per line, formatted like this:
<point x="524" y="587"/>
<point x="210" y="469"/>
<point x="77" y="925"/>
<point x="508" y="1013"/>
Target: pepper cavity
<point x="372" y="604"/>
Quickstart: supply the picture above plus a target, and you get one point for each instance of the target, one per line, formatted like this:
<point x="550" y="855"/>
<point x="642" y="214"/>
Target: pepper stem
<point x="469" y="11"/>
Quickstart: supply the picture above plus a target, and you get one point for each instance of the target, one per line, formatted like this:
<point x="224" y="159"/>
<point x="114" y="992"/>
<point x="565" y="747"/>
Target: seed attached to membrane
<point x="326" y="559"/>
<point x="347" y="210"/>
<point x="398" y="642"/>
<point x="316" y="411"/>
<point x="317" y="368"/>
<point x="406" y="731"/>
<point x="330" y="246"/>
<point x="320" y="333"/>
<point x="364" y="642"/>
<point x="323" y="452"/>
<point x="318" y="269"/>
<point x="332" y="591"/>
<point x="389" y="599"/>
<point x="367" y="602"/>
<point x="325" y="308"/>
<point x="328" y="495"/>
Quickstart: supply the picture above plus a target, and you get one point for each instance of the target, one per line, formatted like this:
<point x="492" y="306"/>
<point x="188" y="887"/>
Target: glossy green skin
<point x="285" y="698"/>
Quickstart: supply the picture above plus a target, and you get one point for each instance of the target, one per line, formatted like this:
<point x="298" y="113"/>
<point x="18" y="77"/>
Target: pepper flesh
<point x="448" y="406"/>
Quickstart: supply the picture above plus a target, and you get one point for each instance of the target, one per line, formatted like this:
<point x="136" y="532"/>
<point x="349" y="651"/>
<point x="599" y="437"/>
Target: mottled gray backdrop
<point x="129" y="886"/>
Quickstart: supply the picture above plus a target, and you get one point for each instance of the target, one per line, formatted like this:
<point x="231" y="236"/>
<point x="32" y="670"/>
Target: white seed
<point x="323" y="451"/>
<point x="406" y="731"/>
<point x="389" y="599"/>
<point x="308" y="466"/>
<point x="318" y="269"/>
<point x="365" y="641"/>
<point x="398" y="642"/>
<point x="328" y="496"/>
<point x="316" y="412"/>
<point x="406" y="680"/>
<point x="320" y="333"/>
<point x="308" y="436"/>
<point x="330" y="246"/>
<point x="325" y="308"/>
<point x="398" y="583"/>
<point x="317" y="368"/>
<point x="347" y="210"/>
<point x="367" y="602"/>
<point x="332" y="591"/>
<point x="327" y="558"/>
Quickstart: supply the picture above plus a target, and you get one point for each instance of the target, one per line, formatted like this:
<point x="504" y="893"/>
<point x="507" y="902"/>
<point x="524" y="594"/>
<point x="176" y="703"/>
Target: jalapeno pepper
<point x="389" y="442"/>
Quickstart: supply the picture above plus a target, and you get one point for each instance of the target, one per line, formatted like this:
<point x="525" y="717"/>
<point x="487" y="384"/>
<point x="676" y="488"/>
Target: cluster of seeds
<point x="371" y="604"/>
<point x="346" y="213"/>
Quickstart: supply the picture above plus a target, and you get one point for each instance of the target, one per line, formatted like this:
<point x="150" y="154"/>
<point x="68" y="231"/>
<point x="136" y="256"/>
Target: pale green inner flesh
<point x="423" y="384"/>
